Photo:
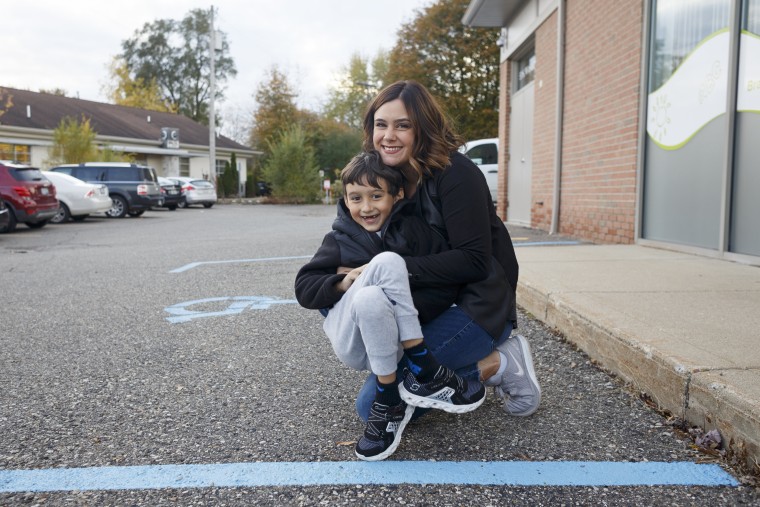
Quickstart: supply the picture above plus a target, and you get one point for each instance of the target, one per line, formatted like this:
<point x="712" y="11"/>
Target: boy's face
<point x="370" y="207"/>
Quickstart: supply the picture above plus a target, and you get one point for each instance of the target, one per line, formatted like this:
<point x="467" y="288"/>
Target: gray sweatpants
<point x="368" y="324"/>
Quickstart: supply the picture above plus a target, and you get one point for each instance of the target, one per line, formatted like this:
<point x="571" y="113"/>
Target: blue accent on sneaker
<point x="383" y="431"/>
<point x="445" y="391"/>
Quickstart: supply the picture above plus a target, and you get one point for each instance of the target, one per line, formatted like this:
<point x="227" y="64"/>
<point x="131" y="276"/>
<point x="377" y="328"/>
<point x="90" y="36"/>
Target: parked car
<point x="196" y="191"/>
<point x="4" y="216"/>
<point x="172" y="193"/>
<point x="77" y="199"/>
<point x="485" y="154"/>
<point x="133" y="188"/>
<point x="28" y="195"/>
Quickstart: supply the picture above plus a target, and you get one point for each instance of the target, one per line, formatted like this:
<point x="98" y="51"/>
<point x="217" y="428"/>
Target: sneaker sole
<point x="426" y="402"/>
<point x="397" y="440"/>
<point x="531" y="375"/>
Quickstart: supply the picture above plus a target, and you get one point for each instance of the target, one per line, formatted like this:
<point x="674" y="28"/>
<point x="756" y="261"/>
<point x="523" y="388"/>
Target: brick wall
<point x="501" y="189"/>
<point x="601" y="100"/>
<point x="600" y="130"/>
<point x="544" y="124"/>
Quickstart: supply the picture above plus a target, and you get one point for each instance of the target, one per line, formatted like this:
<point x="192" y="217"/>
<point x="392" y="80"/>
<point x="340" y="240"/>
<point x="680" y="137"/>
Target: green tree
<point x="334" y="144"/>
<point x="6" y="101"/>
<point x="124" y="90"/>
<point x="73" y="142"/>
<point x="175" y="55"/>
<point x="459" y="65"/>
<point x="230" y="179"/>
<point x="347" y="101"/>
<point x="291" y="168"/>
<point x="55" y="91"/>
<point x="276" y="109"/>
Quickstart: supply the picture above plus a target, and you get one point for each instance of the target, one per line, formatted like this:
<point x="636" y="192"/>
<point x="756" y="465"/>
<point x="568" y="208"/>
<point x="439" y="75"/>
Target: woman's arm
<point x="466" y="207"/>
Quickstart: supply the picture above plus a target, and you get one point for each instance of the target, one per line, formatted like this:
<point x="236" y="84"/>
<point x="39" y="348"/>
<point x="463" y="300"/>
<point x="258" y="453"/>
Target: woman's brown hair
<point x="434" y="136"/>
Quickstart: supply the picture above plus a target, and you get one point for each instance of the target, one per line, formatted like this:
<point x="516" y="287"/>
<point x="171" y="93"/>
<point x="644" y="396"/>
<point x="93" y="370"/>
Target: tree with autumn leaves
<point x="458" y="64"/>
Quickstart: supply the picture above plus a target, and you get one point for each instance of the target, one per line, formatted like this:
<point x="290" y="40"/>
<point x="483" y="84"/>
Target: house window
<point x="220" y="167"/>
<point x="526" y="69"/>
<point x="20" y="153"/>
<point x="184" y="166"/>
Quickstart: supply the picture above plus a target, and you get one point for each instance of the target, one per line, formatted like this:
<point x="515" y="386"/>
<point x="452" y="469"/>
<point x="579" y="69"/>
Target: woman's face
<point x="392" y="134"/>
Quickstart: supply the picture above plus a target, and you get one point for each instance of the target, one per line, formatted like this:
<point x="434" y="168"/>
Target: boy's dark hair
<point x="367" y="168"/>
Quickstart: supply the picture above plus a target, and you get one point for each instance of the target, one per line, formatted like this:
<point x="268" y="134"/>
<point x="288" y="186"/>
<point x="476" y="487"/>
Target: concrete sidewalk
<point x="683" y="329"/>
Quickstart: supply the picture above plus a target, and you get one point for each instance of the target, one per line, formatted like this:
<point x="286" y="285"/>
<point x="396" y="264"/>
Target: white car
<point x="196" y="191"/>
<point x="77" y="198"/>
<point x="485" y="154"/>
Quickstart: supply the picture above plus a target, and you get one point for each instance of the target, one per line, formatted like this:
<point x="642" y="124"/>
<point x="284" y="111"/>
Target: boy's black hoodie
<point x="350" y="245"/>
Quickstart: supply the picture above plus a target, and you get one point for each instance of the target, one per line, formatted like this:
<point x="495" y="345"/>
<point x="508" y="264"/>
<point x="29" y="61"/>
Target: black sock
<point x="387" y="394"/>
<point x="424" y="364"/>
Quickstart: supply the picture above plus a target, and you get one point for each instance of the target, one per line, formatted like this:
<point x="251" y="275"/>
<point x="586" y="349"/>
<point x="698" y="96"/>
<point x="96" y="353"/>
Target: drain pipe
<point x="560" y="108"/>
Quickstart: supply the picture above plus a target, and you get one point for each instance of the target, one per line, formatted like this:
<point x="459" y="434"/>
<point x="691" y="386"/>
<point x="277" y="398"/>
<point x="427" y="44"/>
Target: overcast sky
<point x="69" y="44"/>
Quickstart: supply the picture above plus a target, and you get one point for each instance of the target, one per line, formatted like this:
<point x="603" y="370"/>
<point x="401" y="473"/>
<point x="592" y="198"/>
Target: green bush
<point x="291" y="168"/>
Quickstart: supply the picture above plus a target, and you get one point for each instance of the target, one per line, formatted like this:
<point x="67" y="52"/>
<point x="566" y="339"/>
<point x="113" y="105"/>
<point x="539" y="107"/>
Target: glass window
<point x="679" y="27"/>
<point x="184" y="166"/>
<point x="220" y="167"/>
<point x="744" y="233"/>
<point x="19" y="153"/>
<point x="686" y="121"/>
<point x="91" y="174"/>
<point x="526" y="69"/>
<point x="27" y="174"/>
<point x="484" y="154"/>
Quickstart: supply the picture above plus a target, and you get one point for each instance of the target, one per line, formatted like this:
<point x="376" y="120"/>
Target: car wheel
<point x="208" y="204"/>
<point x="119" y="208"/>
<point x="182" y="204"/>
<point x="37" y="225"/>
<point x="136" y="213"/>
<point x="63" y="214"/>
<point x="12" y="222"/>
<point x="79" y="218"/>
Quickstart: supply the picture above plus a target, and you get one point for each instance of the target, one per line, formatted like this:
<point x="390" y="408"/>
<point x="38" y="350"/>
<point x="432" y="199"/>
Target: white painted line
<point x="192" y="265"/>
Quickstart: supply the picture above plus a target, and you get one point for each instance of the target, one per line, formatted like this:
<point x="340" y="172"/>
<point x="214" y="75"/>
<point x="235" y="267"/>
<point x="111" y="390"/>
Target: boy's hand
<point x="351" y="275"/>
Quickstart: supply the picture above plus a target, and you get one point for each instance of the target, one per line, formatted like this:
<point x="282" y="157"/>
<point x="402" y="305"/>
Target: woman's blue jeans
<point x="455" y="340"/>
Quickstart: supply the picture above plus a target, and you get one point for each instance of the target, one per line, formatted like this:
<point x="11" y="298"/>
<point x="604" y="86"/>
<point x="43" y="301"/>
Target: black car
<point x="133" y="188"/>
<point x="172" y="193"/>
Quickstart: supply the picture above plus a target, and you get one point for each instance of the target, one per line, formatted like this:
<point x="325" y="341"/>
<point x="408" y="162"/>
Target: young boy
<point x="359" y="281"/>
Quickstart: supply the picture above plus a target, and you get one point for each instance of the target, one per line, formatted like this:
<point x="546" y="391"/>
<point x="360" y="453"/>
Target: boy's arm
<point x="316" y="282"/>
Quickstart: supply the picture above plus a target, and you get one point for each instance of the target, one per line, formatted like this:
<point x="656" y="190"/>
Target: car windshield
<point x="201" y="183"/>
<point x="27" y="174"/>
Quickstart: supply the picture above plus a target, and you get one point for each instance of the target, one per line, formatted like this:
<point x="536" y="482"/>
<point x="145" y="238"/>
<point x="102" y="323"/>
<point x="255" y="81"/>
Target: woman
<point x="411" y="132"/>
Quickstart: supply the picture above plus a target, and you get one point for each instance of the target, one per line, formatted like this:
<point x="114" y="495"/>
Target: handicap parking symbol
<point x="181" y="312"/>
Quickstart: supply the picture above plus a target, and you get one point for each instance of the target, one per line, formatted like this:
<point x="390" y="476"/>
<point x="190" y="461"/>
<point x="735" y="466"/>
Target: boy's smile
<point x="370" y="207"/>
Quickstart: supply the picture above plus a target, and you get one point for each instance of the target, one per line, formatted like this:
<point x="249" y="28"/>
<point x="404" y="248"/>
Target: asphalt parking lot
<point x="174" y="339"/>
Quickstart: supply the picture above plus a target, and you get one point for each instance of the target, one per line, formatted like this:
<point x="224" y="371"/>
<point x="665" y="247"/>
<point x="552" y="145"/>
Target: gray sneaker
<point x="519" y="388"/>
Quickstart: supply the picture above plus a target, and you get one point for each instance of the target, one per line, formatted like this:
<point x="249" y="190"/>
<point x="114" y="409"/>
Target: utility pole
<point x="212" y="96"/>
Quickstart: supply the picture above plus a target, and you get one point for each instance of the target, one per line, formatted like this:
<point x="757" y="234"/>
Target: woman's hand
<point x="348" y="280"/>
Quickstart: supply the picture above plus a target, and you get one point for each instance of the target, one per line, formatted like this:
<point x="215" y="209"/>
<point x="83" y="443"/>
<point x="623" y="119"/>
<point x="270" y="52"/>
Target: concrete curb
<point x="709" y="399"/>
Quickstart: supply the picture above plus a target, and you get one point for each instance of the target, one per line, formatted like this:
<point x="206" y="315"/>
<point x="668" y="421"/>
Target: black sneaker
<point x="447" y="391"/>
<point x="383" y="432"/>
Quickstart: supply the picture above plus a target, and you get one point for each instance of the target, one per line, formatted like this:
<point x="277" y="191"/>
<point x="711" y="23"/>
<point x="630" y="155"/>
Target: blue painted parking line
<point x="507" y="473"/>
<point x="234" y="261"/>
<point x="237" y="304"/>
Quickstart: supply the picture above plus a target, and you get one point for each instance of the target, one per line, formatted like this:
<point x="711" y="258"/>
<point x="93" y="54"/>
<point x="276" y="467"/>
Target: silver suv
<point x="133" y="188"/>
